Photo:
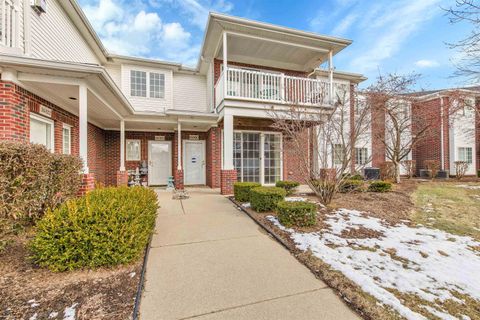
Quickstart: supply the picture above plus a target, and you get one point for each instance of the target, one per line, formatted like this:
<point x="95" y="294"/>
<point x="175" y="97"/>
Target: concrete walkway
<point x="211" y="261"/>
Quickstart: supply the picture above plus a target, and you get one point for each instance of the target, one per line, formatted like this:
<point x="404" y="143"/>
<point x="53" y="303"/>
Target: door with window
<point x="159" y="162"/>
<point x="194" y="162"/>
<point x="257" y="157"/>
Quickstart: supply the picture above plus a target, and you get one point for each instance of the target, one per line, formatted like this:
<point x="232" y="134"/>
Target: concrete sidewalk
<point x="209" y="260"/>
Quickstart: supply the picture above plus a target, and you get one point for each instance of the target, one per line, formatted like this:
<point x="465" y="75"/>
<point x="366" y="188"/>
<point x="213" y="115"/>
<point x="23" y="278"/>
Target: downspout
<point x="442" y="160"/>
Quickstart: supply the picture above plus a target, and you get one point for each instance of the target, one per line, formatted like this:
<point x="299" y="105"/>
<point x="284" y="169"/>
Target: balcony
<point x="275" y="88"/>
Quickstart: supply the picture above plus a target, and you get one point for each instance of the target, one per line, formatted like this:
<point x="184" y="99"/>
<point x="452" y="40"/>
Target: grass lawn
<point x="450" y="206"/>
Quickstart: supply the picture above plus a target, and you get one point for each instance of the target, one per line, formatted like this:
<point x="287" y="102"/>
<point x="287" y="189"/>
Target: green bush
<point x="32" y="179"/>
<point x="351" y="185"/>
<point x="241" y="190"/>
<point x="289" y="186"/>
<point x="380" y="186"/>
<point x="266" y="198"/>
<point x="106" y="227"/>
<point x="297" y="213"/>
<point x="357" y="176"/>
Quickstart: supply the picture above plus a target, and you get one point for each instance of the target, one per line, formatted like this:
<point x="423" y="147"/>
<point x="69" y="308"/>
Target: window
<point x="133" y="150"/>
<point x="67" y="139"/>
<point x="138" y="83"/>
<point x="9" y="23"/>
<point x="465" y="154"/>
<point x="338" y="154"/>
<point x="41" y="131"/>
<point x="361" y="156"/>
<point x="157" y="85"/>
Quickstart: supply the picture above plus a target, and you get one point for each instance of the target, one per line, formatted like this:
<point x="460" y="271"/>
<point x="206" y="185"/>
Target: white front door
<point x="159" y="162"/>
<point x="194" y="162"/>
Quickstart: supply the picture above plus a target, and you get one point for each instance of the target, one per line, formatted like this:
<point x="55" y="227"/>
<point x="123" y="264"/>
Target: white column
<point x="179" y="146"/>
<point x="122" y="145"/>
<point x="83" y="125"/>
<point x="228" y="142"/>
<point x="330" y="76"/>
<point x="225" y="63"/>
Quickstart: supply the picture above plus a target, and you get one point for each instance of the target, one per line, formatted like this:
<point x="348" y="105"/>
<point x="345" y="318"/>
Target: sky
<point x="396" y="36"/>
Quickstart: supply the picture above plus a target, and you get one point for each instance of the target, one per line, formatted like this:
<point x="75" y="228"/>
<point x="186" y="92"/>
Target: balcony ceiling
<point x="264" y="44"/>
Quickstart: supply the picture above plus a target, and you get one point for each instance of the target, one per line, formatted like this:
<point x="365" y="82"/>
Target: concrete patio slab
<point x="208" y="259"/>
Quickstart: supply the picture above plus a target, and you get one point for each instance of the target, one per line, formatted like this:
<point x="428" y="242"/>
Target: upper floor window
<point x="154" y="89"/>
<point x="138" y="83"/>
<point x="157" y="85"/>
<point x="9" y="23"/>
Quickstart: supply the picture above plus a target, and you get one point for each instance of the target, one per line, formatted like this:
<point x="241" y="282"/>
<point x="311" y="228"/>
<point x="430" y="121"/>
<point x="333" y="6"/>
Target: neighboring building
<point x="207" y="125"/>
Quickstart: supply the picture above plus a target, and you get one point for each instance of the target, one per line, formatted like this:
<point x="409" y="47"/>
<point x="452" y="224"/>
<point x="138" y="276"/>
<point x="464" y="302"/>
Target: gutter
<point x="442" y="160"/>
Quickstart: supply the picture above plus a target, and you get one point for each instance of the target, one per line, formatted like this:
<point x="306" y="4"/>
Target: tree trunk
<point x="397" y="171"/>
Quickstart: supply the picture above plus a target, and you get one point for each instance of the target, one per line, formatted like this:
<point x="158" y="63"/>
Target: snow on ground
<point x="295" y="199"/>
<point x="246" y="205"/>
<point x="421" y="261"/>
<point x="466" y="186"/>
<point x="69" y="312"/>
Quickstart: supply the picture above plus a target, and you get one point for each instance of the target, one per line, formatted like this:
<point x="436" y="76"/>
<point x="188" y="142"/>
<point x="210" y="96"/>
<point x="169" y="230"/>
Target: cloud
<point x="424" y="63"/>
<point x="345" y="24"/>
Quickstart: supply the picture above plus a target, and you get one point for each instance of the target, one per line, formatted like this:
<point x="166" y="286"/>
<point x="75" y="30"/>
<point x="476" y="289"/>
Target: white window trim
<point x="147" y="82"/>
<point x="69" y="128"/>
<point x="139" y="150"/>
<point x="49" y="122"/>
<point x="465" y="154"/>
<point x="15" y="48"/>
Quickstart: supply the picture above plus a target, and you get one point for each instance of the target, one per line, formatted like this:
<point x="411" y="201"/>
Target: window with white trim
<point x="9" y="23"/>
<point x="67" y="139"/>
<point x="361" y="156"/>
<point x="133" y="149"/>
<point x="338" y="154"/>
<point x="465" y="154"/>
<point x="138" y="83"/>
<point x="41" y="131"/>
<point x="157" y="85"/>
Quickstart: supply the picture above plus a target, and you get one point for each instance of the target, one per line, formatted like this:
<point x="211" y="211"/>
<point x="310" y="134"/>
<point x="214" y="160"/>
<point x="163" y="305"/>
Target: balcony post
<point x="83" y="126"/>
<point x="282" y="88"/>
<point x="225" y="62"/>
<point x="330" y="76"/>
<point x="122" y="145"/>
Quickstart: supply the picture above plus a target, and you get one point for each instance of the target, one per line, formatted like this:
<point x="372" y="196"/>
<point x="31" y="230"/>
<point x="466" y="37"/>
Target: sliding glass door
<point x="257" y="156"/>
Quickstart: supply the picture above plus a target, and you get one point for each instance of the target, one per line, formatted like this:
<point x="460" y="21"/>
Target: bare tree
<point x="469" y="47"/>
<point x="330" y="135"/>
<point x="391" y="100"/>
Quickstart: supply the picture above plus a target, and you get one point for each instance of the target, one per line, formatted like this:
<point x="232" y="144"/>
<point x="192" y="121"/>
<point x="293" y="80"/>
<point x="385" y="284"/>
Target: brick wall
<point x="214" y="157"/>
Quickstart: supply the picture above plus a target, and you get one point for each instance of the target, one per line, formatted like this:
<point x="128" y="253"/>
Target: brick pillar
<point x="178" y="177"/>
<point x="88" y="183"/>
<point x="122" y="178"/>
<point x="227" y="179"/>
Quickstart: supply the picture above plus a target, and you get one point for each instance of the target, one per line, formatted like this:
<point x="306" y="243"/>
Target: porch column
<point x="178" y="172"/>
<point x="228" y="174"/>
<point x="83" y="126"/>
<point x="330" y="76"/>
<point x="122" y="145"/>
<point x="225" y="63"/>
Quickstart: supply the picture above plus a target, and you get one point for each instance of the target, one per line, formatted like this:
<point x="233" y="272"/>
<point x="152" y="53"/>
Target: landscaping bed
<point x="370" y="248"/>
<point x="27" y="290"/>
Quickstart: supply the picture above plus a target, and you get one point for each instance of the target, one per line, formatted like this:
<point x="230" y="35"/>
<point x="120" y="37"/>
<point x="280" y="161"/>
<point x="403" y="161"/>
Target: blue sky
<point x="388" y="36"/>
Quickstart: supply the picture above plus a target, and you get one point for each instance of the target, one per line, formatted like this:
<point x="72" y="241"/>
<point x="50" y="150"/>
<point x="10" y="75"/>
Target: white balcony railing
<point x="271" y="87"/>
<point x="9" y="19"/>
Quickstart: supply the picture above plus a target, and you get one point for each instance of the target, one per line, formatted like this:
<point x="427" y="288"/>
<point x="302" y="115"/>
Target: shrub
<point x="289" y="186"/>
<point x="351" y="185"/>
<point x="433" y="166"/>
<point x="106" y="227"/>
<point x="32" y="179"/>
<point x="298" y="213"/>
<point x="356" y="176"/>
<point x="461" y="168"/>
<point x="410" y="167"/>
<point x="387" y="171"/>
<point x="380" y="186"/>
<point x="325" y="189"/>
<point x="266" y="198"/>
<point x="241" y="190"/>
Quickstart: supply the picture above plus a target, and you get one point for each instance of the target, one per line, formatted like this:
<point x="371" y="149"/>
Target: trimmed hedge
<point x="266" y="198"/>
<point x="289" y="186"/>
<point x="297" y="213"/>
<point x="380" y="186"/>
<point x="351" y="185"/>
<point x="241" y="190"/>
<point x="106" y="227"/>
<point x="33" y="179"/>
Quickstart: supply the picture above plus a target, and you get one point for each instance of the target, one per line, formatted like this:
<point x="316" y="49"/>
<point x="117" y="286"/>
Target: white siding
<point x="145" y="103"/>
<point x="115" y="71"/>
<point x="53" y="36"/>
<point x="210" y="86"/>
<point x="462" y="135"/>
<point x="190" y="92"/>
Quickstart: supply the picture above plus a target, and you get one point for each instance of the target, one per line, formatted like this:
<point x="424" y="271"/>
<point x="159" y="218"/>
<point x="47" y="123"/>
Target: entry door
<point x="194" y="161"/>
<point x="159" y="162"/>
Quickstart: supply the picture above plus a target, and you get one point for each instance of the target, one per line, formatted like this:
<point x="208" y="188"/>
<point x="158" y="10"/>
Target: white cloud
<point x="198" y="10"/>
<point x="424" y="63"/>
<point x="345" y="24"/>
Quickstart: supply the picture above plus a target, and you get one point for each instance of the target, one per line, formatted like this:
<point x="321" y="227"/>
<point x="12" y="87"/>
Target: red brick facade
<point x="227" y="179"/>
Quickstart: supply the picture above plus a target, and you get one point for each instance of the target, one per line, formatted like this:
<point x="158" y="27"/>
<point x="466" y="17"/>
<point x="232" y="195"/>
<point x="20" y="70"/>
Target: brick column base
<point x="88" y="183"/>
<point x="227" y="179"/>
<point x="122" y="178"/>
<point x="178" y="179"/>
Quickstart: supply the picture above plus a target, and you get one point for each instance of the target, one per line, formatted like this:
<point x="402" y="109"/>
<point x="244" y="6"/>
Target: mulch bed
<point x="26" y="290"/>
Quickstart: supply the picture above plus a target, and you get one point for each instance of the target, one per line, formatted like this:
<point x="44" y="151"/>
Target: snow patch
<point x="34" y="317"/>
<point x="246" y="205"/>
<point x="421" y="261"/>
<point x="466" y="186"/>
<point x="69" y="312"/>
<point x="296" y="199"/>
<point x="132" y="274"/>
<point x="53" y="314"/>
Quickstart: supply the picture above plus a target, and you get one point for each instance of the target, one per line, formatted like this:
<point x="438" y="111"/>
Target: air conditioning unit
<point x="39" y="5"/>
